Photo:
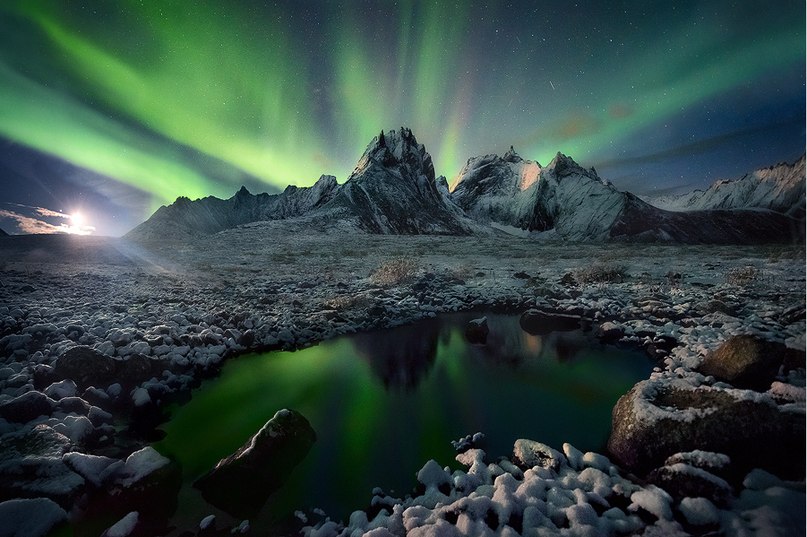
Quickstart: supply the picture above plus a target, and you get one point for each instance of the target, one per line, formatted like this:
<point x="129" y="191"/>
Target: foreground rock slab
<point x="241" y="483"/>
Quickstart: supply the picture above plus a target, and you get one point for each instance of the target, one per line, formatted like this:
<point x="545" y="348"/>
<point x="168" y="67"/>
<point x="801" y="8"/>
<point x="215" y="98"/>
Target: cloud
<point x="31" y="225"/>
<point x="27" y="224"/>
<point x="47" y="212"/>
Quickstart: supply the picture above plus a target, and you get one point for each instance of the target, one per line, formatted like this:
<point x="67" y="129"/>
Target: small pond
<point x="383" y="403"/>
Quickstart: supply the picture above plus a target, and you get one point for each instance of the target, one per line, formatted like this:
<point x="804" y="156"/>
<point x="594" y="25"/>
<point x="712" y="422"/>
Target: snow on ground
<point x="188" y="306"/>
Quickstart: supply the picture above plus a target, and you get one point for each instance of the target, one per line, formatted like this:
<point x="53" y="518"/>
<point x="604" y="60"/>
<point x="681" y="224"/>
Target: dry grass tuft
<point x="600" y="273"/>
<point x="743" y="276"/>
<point x="395" y="271"/>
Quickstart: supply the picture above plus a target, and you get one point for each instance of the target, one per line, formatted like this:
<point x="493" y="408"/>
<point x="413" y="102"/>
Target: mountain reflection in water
<point x="402" y="357"/>
<point x="385" y="402"/>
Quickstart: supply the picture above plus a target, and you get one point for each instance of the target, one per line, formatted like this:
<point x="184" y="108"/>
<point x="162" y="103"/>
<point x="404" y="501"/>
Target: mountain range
<point x="779" y="188"/>
<point x="393" y="190"/>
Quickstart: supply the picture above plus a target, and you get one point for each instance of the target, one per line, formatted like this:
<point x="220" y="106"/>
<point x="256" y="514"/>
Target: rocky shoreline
<point x="94" y="351"/>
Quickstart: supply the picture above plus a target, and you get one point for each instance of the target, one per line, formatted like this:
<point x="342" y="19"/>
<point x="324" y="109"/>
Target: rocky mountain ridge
<point x="779" y="188"/>
<point x="393" y="190"/>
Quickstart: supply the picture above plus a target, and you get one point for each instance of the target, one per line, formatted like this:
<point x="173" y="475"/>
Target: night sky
<point x="110" y="109"/>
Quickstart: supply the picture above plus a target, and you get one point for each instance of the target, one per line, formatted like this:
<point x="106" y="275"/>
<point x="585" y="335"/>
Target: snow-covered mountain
<point x="393" y="190"/>
<point x="561" y="196"/>
<point x="575" y="204"/>
<point x="779" y="188"/>
<point x="185" y="218"/>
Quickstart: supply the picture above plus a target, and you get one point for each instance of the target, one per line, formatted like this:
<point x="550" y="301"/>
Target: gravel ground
<point x="188" y="306"/>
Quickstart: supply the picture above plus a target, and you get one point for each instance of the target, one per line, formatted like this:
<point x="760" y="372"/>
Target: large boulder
<point x="137" y="368"/>
<point x="746" y="362"/>
<point x="662" y="417"/>
<point x="26" y="407"/>
<point x="476" y="331"/>
<point x="242" y="482"/>
<point x="86" y="367"/>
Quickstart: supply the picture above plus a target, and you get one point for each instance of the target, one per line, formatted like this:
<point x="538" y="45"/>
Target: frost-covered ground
<point x="169" y="313"/>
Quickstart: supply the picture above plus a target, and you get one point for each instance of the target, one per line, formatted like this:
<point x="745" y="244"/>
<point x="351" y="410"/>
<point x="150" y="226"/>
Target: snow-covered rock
<point x="30" y="517"/>
<point x="90" y="467"/>
<point x="137" y="467"/>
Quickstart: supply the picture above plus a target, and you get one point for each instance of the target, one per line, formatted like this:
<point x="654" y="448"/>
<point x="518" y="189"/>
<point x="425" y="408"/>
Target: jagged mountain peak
<point x="512" y="156"/>
<point x="393" y="189"/>
<point x="563" y="166"/>
<point x="243" y="192"/>
<point x="397" y="148"/>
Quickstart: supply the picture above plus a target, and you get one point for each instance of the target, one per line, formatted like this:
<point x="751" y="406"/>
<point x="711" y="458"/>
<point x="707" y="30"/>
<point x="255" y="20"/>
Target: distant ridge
<point x="779" y="188"/>
<point x="186" y="218"/>
<point x="393" y="190"/>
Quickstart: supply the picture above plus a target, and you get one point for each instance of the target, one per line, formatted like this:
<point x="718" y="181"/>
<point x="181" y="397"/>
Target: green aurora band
<point x="186" y="99"/>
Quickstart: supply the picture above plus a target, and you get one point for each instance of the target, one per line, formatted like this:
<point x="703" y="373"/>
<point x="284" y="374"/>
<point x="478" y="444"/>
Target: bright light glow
<point x="78" y="225"/>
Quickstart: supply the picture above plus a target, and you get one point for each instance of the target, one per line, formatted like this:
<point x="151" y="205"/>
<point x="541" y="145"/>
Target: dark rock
<point x="148" y="483"/>
<point x="745" y="362"/>
<point x="568" y="279"/>
<point x="536" y="322"/>
<point x="133" y="370"/>
<point x="521" y="276"/>
<point x="609" y="332"/>
<point x="715" y="305"/>
<point x="476" y="331"/>
<point x="654" y="421"/>
<point x="44" y="375"/>
<point x="26" y="407"/>
<point x="682" y="480"/>
<point x="241" y="483"/>
<point x="96" y="397"/>
<point x="247" y="338"/>
<point x="86" y="367"/>
<point x="76" y="405"/>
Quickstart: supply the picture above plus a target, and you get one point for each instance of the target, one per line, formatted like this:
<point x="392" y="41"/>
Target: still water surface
<point x="383" y="403"/>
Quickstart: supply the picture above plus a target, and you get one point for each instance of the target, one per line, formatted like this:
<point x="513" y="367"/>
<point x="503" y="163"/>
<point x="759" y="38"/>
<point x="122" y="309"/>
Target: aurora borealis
<point x="144" y="101"/>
